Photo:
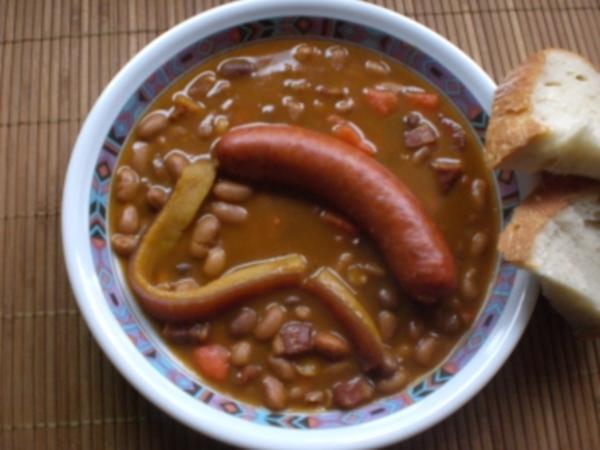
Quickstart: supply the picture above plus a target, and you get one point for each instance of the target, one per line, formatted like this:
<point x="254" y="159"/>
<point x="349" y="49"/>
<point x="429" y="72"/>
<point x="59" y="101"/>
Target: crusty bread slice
<point x="555" y="233"/>
<point x="546" y="116"/>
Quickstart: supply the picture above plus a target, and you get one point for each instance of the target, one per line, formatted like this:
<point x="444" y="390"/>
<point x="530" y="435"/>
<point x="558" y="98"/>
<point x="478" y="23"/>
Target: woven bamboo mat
<point x="58" y="391"/>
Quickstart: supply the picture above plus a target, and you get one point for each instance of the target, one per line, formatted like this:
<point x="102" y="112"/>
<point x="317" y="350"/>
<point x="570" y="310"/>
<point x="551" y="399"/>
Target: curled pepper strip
<point x="202" y="302"/>
<point x="327" y="286"/>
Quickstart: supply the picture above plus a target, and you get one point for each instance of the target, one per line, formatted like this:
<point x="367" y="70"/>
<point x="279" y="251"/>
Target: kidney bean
<point x="394" y="383"/>
<point x="478" y="193"/>
<point x="124" y="244"/>
<point x="175" y="162"/>
<point x="344" y="105"/>
<point x="271" y="323"/>
<point x="152" y="124"/>
<point x="214" y="264"/>
<point x="129" y="220"/>
<point x="331" y="345"/>
<point x="241" y="353"/>
<point x="275" y="396"/>
<point x="469" y="288"/>
<point x="186" y="334"/>
<point x="206" y="229"/>
<point x="426" y="350"/>
<point x="377" y="67"/>
<point x="249" y="373"/>
<point x="230" y="191"/>
<point x="283" y="368"/>
<point x="244" y="322"/>
<point x="314" y="397"/>
<point x="200" y="85"/>
<point x="302" y="312"/>
<point x="127" y="184"/>
<point x="157" y="196"/>
<point x="297" y="337"/>
<point x="236" y="68"/>
<point x="228" y="212"/>
<point x="387" y="322"/>
<point x="348" y="394"/>
<point x="140" y="156"/>
<point x="388" y="298"/>
<point x="185" y="284"/>
<point x="479" y="243"/>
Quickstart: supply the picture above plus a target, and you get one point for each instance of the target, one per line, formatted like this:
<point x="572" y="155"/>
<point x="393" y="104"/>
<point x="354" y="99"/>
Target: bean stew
<point x="308" y="224"/>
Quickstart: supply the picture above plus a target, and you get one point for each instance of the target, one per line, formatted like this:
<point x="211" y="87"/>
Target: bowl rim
<point x="130" y="362"/>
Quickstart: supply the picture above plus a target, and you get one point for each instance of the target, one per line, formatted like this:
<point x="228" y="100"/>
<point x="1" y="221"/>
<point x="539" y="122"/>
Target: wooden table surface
<point x="58" y="391"/>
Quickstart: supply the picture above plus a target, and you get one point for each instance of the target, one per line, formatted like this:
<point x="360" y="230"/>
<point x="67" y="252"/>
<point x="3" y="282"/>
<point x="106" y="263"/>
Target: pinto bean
<point x="387" y="322"/>
<point x="469" y="288"/>
<point x="348" y="394"/>
<point x="422" y="154"/>
<point x="283" y="368"/>
<point x="277" y="346"/>
<point x="297" y="337"/>
<point x="127" y="184"/>
<point x="200" y="85"/>
<point x="389" y="364"/>
<point x="479" y="243"/>
<point x="388" y="298"/>
<point x="314" y="397"/>
<point x="205" y="127"/>
<point x="243" y="323"/>
<point x="344" y="105"/>
<point x="249" y="373"/>
<point x="241" y="353"/>
<point x="394" y="383"/>
<point x="157" y="196"/>
<point x="294" y="107"/>
<point x="152" y="124"/>
<point x="140" y="156"/>
<point x="206" y="229"/>
<point x="185" y="284"/>
<point x="416" y="328"/>
<point x="175" y="162"/>
<point x="302" y="312"/>
<point x="230" y="191"/>
<point x="229" y="213"/>
<point x="423" y="134"/>
<point x="124" y="244"/>
<point x="337" y="55"/>
<point x="129" y="220"/>
<point x="377" y="67"/>
<point x="457" y="134"/>
<point x="221" y="124"/>
<point x="271" y="323"/>
<point x="214" y="264"/>
<point x="275" y="396"/>
<point x="161" y="172"/>
<point x="478" y="192"/>
<point x="198" y="250"/>
<point x="236" y="68"/>
<point x="427" y="350"/>
<point x="331" y="345"/>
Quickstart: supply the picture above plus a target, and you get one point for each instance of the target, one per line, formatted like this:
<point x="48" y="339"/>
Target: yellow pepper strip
<point x="326" y="284"/>
<point x="205" y="301"/>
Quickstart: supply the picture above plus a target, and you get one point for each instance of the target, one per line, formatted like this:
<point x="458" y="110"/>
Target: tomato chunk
<point x="212" y="361"/>
<point x="426" y="100"/>
<point x="383" y="102"/>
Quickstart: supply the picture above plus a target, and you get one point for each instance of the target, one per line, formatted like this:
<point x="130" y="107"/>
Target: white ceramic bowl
<point x="123" y="332"/>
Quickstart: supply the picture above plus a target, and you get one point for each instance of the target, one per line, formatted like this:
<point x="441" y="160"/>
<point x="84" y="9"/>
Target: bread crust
<point x="554" y="193"/>
<point x="512" y="126"/>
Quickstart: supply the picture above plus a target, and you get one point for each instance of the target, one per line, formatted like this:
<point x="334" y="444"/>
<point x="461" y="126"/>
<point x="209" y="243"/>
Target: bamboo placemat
<point x="58" y="391"/>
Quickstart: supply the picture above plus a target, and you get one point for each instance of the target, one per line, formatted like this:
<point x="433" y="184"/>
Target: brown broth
<point x="283" y="222"/>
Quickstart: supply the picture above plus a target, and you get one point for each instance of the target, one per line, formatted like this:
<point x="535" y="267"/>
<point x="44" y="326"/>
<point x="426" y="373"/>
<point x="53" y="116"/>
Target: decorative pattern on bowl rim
<point x="430" y="69"/>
